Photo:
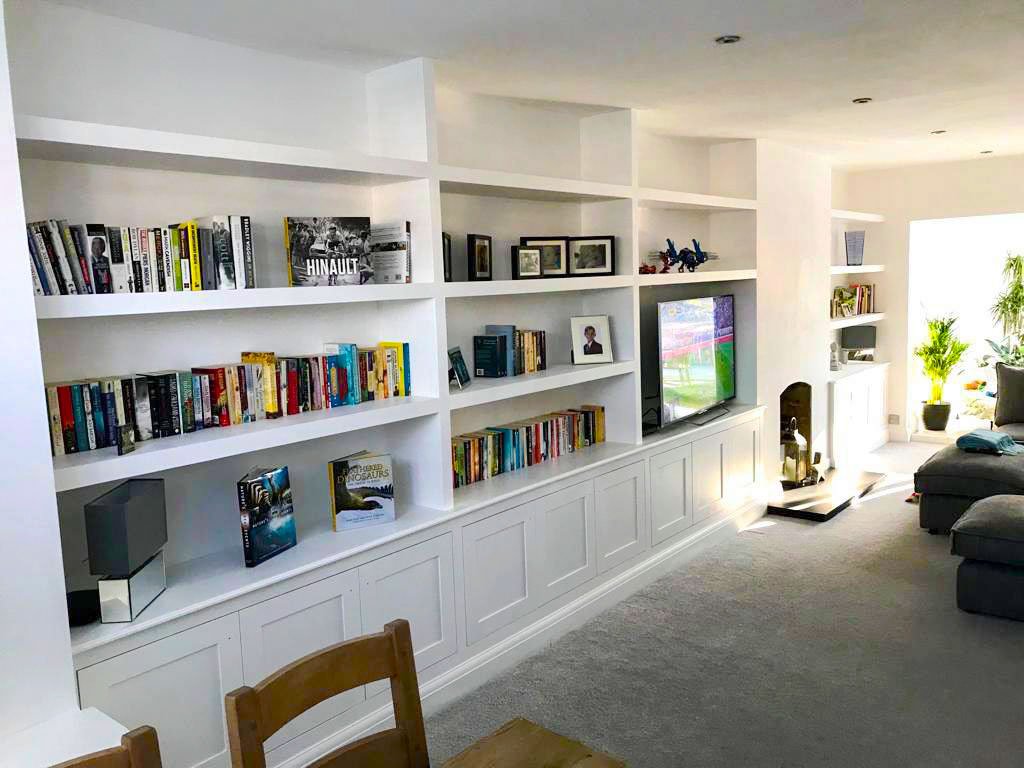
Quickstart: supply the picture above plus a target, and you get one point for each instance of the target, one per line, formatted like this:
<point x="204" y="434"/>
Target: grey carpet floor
<point x="792" y="644"/>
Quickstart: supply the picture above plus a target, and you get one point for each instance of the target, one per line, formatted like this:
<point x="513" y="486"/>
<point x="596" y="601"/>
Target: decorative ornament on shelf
<point x="687" y="259"/>
<point x="834" y="358"/>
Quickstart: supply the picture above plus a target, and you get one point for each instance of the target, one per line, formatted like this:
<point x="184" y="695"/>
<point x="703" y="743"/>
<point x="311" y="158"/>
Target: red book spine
<point x="293" y="388"/>
<point x="243" y="386"/>
<point x="325" y="377"/>
<point x="67" y="419"/>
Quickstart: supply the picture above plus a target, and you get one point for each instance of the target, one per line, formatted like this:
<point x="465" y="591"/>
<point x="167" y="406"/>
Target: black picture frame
<point x="533" y="270"/>
<point x="608" y="268"/>
<point x="446" y="255"/>
<point x="543" y="243"/>
<point x="475" y="252"/>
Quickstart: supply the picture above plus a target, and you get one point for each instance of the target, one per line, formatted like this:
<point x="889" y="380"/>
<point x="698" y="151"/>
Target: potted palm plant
<point x="940" y="354"/>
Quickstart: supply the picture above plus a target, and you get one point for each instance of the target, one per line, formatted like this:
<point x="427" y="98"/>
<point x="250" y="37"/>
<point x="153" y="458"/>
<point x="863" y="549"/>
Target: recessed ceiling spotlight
<point x="727" y="39"/>
<point x="986" y="151"/>
<point x="862" y="100"/>
<point x="936" y="133"/>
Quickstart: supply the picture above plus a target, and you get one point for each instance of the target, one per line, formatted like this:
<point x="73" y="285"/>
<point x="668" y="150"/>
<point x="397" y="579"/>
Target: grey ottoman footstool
<point x="990" y="538"/>
<point x="952" y="480"/>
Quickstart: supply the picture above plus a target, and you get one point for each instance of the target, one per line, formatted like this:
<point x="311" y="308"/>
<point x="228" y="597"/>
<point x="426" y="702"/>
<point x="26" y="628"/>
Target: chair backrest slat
<point x="139" y="749"/>
<point x="254" y="714"/>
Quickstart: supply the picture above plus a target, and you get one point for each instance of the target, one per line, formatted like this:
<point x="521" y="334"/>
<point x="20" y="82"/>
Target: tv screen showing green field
<point x="697" y="347"/>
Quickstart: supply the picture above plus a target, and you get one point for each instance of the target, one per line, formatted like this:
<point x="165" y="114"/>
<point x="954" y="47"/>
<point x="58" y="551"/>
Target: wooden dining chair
<point x="255" y="714"/>
<point x="139" y="749"/>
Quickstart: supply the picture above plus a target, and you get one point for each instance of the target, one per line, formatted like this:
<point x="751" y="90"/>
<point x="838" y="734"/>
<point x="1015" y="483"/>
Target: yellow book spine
<point x="330" y="482"/>
<point x="399" y="362"/>
<point x="195" y="274"/>
<point x="269" y="362"/>
<point x="287" y="253"/>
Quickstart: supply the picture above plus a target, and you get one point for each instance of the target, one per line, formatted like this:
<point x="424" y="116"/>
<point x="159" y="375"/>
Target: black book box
<point x="125" y="527"/>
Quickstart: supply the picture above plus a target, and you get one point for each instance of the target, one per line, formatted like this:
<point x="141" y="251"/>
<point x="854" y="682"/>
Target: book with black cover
<point x="266" y="513"/>
<point x="490" y="356"/>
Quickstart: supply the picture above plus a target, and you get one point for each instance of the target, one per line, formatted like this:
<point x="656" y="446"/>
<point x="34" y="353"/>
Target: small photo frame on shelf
<point x="478" y="251"/>
<point x="446" y="255"/>
<point x="525" y="263"/>
<point x="554" y="252"/>
<point x="591" y="339"/>
<point x="458" y="373"/>
<point x="592" y="255"/>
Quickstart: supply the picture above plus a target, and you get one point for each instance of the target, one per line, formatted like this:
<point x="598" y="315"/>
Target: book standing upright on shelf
<point x="362" y="488"/>
<point x="267" y="516"/>
<point x="391" y="252"/>
<point x="327" y="250"/>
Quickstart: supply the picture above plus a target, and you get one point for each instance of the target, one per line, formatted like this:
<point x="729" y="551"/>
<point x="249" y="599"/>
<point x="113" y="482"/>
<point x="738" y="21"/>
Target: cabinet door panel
<point x="177" y="685"/>
<point x="620" y="500"/>
<point x="741" y="446"/>
<point x="283" y="629"/>
<point x="671" y="493"/>
<point x="708" y="476"/>
<point x="417" y="584"/>
<point x="501" y="582"/>
<point x="565" y="523"/>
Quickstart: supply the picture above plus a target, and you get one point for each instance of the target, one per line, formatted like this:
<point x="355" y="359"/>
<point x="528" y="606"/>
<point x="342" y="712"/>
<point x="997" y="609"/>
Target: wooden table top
<point x="522" y="744"/>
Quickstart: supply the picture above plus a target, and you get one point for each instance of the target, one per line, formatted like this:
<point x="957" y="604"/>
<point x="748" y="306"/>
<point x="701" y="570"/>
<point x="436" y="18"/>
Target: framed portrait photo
<point x="446" y="254"/>
<point x="554" y="252"/>
<point x="478" y="249"/>
<point x="592" y="255"/>
<point x="591" y="339"/>
<point x="525" y="263"/>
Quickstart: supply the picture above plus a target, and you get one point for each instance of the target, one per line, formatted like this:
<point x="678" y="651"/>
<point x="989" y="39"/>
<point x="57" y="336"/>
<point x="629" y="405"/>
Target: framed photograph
<point x="591" y="339"/>
<point x="446" y="254"/>
<point x="525" y="263"/>
<point x="478" y="250"/>
<point x="592" y="255"/>
<point x="554" y="252"/>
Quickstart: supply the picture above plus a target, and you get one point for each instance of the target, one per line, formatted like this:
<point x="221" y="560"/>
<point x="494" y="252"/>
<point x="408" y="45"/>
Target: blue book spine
<point x="110" y="412"/>
<point x="353" y="372"/>
<point x="99" y="416"/>
<point x="197" y="402"/>
<point x="78" y="408"/>
<point x="39" y="265"/>
<point x="509" y="332"/>
<point x="408" y="368"/>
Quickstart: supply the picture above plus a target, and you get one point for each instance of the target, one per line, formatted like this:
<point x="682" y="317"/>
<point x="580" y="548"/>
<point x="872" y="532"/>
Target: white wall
<point x="793" y="236"/>
<point x="36" y="679"/>
<point x="941" y="190"/>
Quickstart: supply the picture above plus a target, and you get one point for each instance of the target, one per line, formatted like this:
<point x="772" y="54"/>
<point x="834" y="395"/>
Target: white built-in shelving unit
<point x="393" y="145"/>
<point x="844" y="274"/>
<point x="866" y="318"/>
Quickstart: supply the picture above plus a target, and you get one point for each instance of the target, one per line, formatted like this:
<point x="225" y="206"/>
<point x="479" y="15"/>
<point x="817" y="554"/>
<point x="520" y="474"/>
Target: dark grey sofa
<point x="990" y="538"/>
<point x="1009" y="416"/>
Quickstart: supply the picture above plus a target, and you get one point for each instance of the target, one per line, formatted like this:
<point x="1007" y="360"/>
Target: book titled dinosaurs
<point x="362" y="490"/>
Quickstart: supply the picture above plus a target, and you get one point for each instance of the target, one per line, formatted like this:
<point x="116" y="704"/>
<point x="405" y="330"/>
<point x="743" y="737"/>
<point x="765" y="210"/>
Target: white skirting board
<point x="439" y="691"/>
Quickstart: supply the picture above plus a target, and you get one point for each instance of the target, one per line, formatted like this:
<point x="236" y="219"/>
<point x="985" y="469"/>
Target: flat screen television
<point x="696" y="355"/>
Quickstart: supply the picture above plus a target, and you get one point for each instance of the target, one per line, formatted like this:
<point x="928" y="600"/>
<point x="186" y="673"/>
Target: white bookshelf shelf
<point x="482" y="391"/>
<point x="842" y="269"/>
<point x="868" y="218"/>
<point x="865" y="319"/>
<point x="49" y="138"/>
<point x="91" y="467"/>
<point x="553" y="285"/>
<point x="474" y="181"/>
<point x="691" y="201"/>
<point x="700" y="276"/>
<point x="213" y="579"/>
<point x="118" y="304"/>
<point x="854" y="369"/>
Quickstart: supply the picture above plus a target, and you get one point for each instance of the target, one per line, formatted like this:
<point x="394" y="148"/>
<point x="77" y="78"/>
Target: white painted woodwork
<point x="620" y="510"/>
<point x="740" y="449"/>
<point x="566" y="540"/>
<point x="672" y="509"/>
<point x="177" y="685"/>
<point x="868" y="318"/>
<point x="858" y="412"/>
<point x="501" y="581"/>
<point x="281" y="630"/>
<point x="708" y="476"/>
<point x="416" y="584"/>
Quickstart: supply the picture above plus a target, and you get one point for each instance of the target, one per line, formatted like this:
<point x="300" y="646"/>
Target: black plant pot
<point x="935" y="416"/>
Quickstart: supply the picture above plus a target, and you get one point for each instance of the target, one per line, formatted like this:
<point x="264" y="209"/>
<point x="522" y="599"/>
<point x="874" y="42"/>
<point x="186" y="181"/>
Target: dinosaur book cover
<point x="362" y="490"/>
<point x="268" y="520"/>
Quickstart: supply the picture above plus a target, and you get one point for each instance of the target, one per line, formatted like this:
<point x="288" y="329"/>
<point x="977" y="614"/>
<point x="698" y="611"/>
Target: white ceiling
<point x="956" y="65"/>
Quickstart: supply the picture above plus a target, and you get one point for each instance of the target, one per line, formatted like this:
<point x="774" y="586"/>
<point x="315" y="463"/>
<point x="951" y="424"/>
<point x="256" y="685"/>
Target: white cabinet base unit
<point x="858" y="412"/>
<point x="482" y="588"/>
<point x="177" y="685"/>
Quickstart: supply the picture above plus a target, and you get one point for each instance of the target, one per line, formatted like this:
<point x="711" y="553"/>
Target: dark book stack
<point x="524" y="351"/>
<point x="214" y="253"/>
<point x="89" y="415"/>
<point x="493" y="451"/>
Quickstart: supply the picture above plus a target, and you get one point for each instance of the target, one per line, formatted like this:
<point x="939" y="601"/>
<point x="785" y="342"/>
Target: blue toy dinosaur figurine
<point x="686" y="258"/>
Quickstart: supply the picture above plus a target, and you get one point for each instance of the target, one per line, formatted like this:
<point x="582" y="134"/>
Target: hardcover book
<point x="490" y="356"/>
<point x="362" y="490"/>
<point x="267" y="516"/>
<point x="328" y="250"/>
<point x="221" y="259"/>
<point x="391" y="252"/>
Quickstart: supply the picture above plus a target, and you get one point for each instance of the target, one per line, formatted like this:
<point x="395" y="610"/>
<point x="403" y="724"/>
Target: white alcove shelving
<point x="390" y="145"/>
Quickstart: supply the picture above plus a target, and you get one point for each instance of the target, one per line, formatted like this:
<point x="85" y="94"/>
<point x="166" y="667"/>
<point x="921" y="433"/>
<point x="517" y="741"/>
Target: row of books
<point x="212" y="253"/>
<point x="122" y="410"/>
<point x="493" y="451"/>
<point x="505" y="351"/>
<point x="853" y="300"/>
